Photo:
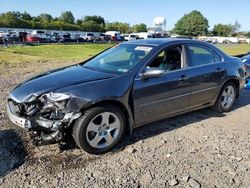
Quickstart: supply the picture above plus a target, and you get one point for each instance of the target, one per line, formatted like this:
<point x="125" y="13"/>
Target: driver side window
<point x="169" y="59"/>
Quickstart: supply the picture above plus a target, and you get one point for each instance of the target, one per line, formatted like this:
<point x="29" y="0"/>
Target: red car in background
<point x="32" y="38"/>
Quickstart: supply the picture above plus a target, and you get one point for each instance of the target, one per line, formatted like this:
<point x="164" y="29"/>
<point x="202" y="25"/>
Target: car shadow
<point x="12" y="151"/>
<point x="169" y="124"/>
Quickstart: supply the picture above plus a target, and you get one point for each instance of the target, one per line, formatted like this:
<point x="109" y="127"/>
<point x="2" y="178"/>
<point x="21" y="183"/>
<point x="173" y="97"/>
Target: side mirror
<point x="152" y="73"/>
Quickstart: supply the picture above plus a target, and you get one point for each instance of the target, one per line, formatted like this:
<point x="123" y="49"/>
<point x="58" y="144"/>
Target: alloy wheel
<point x="103" y="130"/>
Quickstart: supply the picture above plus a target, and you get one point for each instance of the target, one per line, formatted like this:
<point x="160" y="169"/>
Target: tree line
<point x="191" y="24"/>
<point x="195" y="24"/>
<point x="66" y="21"/>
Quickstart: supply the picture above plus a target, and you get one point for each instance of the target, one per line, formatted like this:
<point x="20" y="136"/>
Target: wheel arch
<point x="127" y="112"/>
<point x="236" y="81"/>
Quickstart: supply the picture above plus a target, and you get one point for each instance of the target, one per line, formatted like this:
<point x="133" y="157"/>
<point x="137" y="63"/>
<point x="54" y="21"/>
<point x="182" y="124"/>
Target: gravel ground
<point x="198" y="149"/>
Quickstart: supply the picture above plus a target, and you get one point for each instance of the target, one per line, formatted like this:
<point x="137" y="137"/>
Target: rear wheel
<point x="226" y="98"/>
<point x="99" y="129"/>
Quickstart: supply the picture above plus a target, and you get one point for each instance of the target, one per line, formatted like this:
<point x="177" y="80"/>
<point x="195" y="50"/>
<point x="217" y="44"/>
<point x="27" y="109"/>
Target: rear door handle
<point x="219" y="69"/>
<point x="183" y="78"/>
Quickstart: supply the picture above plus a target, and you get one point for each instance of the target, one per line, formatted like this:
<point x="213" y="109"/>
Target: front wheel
<point x="99" y="129"/>
<point x="226" y="98"/>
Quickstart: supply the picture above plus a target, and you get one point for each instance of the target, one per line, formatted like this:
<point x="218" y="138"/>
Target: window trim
<point x="184" y="56"/>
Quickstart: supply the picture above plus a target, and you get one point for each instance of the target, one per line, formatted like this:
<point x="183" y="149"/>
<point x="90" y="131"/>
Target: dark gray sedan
<point x="131" y="84"/>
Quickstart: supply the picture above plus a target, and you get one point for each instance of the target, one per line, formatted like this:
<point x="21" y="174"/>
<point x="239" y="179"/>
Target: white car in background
<point x="129" y="37"/>
<point x="145" y="35"/>
<point x="115" y="35"/>
<point x="88" y="37"/>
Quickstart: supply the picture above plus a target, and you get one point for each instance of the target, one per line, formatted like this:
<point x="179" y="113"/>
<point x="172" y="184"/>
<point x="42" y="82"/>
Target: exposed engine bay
<point x="48" y="116"/>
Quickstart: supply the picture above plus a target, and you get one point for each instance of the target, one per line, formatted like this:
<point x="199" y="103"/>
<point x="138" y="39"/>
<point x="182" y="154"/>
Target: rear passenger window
<point x="200" y="55"/>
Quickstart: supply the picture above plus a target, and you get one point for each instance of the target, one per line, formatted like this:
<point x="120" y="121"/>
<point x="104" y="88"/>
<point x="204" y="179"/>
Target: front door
<point x="156" y="98"/>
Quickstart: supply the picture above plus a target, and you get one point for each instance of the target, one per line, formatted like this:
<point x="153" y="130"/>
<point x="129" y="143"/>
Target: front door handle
<point x="183" y="78"/>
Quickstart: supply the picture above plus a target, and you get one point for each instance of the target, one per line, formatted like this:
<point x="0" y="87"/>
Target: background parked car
<point x="1" y="40"/>
<point x="129" y="37"/>
<point x="45" y="38"/>
<point x="89" y="37"/>
<point x="76" y="38"/>
<point x="54" y="38"/>
<point x="22" y="36"/>
<point x="65" y="38"/>
<point x="104" y="37"/>
<point x="32" y="38"/>
<point x="11" y="38"/>
<point x="115" y="35"/>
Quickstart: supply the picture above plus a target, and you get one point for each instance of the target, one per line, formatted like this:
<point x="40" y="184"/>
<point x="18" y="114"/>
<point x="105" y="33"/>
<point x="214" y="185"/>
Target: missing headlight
<point x="54" y="97"/>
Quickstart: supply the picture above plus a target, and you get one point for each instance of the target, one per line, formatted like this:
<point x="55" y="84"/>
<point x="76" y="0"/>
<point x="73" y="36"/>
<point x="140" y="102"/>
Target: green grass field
<point x="235" y="49"/>
<point x="74" y="53"/>
<point x="46" y="53"/>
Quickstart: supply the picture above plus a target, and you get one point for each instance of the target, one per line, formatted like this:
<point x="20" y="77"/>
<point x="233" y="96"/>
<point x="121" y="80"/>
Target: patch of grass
<point x="235" y="49"/>
<point x="45" y="53"/>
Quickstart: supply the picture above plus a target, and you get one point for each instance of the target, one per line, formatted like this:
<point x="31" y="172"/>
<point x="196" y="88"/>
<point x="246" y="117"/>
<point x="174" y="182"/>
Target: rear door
<point x="206" y="71"/>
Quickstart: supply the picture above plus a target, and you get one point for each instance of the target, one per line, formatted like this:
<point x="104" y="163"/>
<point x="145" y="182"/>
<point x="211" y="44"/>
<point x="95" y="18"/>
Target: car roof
<point x="159" y="41"/>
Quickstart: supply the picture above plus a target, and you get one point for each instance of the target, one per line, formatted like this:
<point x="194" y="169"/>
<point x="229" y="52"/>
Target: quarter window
<point x="200" y="55"/>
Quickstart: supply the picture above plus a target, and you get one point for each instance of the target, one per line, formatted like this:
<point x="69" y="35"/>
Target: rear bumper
<point x="19" y="121"/>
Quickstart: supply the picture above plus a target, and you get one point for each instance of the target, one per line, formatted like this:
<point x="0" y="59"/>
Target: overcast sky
<point x="139" y="11"/>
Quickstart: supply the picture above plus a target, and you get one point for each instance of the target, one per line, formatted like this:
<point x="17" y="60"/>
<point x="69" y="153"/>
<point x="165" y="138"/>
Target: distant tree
<point x="26" y="16"/>
<point x="117" y="26"/>
<point x="91" y="25"/>
<point x="67" y="17"/>
<point x="222" y="30"/>
<point x="236" y="26"/>
<point x="247" y="34"/>
<point x="45" y="17"/>
<point x="79" y="21"/>
<point x="17" y="14"/>
<point x="34" y="24"/>
<point x="56" y="18"/>
<point x="11" y="19"/>
<point x="97" y="19"/>
<point x="140" y="28"/>
<point x="192" y="24"/>
<point x="109" y="26"/>
<point x="70" y="27"/>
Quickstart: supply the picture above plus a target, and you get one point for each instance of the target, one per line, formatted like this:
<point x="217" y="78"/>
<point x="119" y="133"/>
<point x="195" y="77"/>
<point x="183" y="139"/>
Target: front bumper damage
<point x="14" y="118"/>
<point x="47" y="118"/>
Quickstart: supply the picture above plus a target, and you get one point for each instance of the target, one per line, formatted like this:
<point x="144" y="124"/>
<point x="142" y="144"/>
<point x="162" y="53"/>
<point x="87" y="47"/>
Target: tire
<point x="226" y="98"/>
<point x="99" y="129"/>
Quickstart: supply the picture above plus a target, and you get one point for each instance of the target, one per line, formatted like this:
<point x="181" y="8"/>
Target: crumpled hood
<point x="56" y="79"/>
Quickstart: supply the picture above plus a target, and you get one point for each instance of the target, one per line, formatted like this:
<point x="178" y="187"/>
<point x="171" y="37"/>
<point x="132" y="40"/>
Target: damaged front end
<point x="47" y="117"/>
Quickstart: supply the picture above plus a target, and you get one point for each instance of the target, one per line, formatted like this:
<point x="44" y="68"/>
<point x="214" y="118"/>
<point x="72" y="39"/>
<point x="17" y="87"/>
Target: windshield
<point x="119" y="59"/>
